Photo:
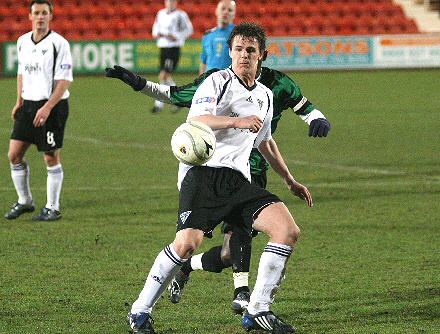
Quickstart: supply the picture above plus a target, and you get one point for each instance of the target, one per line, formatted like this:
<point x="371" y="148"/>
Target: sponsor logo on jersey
<point x="66" y="66"/>
<point x="32" y="68"/>
<point x="249" y="99"/>
<point x="43" y="52"/>
<point x="206" y="99"/>
<point x="184" y="216"/>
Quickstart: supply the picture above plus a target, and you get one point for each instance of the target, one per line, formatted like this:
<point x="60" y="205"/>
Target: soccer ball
<point x="193" y="143"/>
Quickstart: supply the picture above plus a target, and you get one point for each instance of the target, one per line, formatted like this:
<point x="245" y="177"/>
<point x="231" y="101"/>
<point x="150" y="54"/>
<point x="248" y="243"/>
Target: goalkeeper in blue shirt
<point x="236" y="248"/>
<point x="215" y="50"/>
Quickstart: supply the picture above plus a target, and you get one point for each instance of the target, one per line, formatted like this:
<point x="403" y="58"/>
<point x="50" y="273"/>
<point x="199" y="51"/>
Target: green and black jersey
<point x="286" y="94"/>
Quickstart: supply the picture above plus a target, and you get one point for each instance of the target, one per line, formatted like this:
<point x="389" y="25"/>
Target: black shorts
<point x="210" y="195"/>
<point x="259" y="180"/>
<point x="169" y="57"/>
<point x="48" y="137"/>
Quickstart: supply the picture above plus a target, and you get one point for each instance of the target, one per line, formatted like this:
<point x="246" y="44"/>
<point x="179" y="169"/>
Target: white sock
<point x="20" y="174"/>
<point x="165" y="266"/>
<point x="196" y="262"/>
<point x="55" y="177"/>
<point x="170" y="82"/>
<point x="241" y="279"/>
<point x="270" y="274"/>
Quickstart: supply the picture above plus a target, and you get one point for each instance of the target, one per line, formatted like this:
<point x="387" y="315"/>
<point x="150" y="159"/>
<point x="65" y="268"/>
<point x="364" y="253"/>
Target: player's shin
<point x="270" y="274"/>
<point x="165" y="266"/>
<point x="55" y="177"/>
<point x="20" y="175"/>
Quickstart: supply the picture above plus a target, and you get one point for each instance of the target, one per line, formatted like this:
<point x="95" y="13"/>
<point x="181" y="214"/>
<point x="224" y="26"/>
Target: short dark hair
<point x="249" y="30"/>
<point x="47" y="2"/>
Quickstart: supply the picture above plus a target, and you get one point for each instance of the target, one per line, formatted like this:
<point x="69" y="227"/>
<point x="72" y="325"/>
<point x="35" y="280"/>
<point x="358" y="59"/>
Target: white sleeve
<point x="314" y="114"/>
<point x="20" y="67"/>
<point x="265" y="133"/>
<point x="206" y="96"/>
<point x="63" y="65"/>
<point x="155" y="30"/>
<point x="186" y="29"/>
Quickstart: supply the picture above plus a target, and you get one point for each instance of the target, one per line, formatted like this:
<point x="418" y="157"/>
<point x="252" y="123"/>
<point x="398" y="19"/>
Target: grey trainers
<point x="140" y="323"/>
<point x="18" y="209"/>
<point x="47" y="215"/>
<point x="175" y="289"/>
<point x="266" y="321"/>
<point x="241" y="302"/>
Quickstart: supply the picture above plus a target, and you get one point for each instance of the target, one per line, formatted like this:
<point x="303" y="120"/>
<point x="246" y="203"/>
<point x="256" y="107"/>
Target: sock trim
<point x="169" y="252"/>
<point x="281" y="250"/>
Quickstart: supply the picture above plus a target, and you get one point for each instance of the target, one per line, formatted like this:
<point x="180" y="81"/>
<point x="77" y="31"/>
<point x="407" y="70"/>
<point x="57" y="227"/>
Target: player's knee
<point x="14" y="158"/>
<point x="185" y="249"/>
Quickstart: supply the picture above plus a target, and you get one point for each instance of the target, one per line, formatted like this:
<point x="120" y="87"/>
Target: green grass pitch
<point x="368" y="260"/>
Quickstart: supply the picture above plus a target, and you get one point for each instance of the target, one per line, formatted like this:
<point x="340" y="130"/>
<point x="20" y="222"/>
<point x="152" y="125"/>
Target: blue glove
<point x="135" y="81"/>
<point x="319" y="128"/>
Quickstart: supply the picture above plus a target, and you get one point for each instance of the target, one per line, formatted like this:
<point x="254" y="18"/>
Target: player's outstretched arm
<point x="140" y="84"/>
<point x="133" y="80"/>
<point x="270" y="152"/>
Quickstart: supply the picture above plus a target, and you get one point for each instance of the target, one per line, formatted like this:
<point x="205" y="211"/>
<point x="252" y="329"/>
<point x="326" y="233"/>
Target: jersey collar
<point x="32" y="37"/>
<point x="242" y="83"/>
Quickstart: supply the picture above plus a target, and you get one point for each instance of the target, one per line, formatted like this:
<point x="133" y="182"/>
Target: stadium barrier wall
<point x="285" y="53"/>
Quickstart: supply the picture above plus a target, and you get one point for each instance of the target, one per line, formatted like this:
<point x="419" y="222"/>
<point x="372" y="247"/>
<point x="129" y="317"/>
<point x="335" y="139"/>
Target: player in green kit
<point x="236" y="248"/>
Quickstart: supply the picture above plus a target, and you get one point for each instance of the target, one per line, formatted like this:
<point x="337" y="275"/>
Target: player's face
<point x="170" y="4"/>
<point x="40" y="16"/>
<point x="225" y="13"/>
<point x="245" y="54"/>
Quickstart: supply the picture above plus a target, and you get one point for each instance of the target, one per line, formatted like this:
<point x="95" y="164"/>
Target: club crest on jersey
<point x="206" y="99"/>
<point x="44" y="51"/>
<point x="260" y="103"/>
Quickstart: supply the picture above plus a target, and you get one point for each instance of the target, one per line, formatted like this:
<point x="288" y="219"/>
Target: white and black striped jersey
<point x="224" y="94"/>
<point x="175" y="22"/>
<point x="42" y="63"/>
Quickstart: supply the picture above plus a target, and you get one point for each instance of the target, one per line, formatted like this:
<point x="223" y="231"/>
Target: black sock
<point x="186" y="267"/>
<point x="212" y="262"/>
<point x="240" y="245"/>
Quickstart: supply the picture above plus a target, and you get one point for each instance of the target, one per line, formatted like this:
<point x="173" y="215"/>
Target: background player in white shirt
<point x="41" y="110"/>
<point x="171" y="28"/>
<point x="239" y="110"/>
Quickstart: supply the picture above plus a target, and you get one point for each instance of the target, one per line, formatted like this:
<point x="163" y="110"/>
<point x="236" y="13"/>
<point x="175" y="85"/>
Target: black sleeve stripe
<point x="223" y="90"/>
<point x="55" y="55"/>
<point x="302" y="110"/>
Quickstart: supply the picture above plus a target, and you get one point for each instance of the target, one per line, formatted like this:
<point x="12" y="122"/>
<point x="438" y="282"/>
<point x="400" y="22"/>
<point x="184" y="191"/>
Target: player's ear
<point x="230" y="56"/>
<point x="265" y="55"/>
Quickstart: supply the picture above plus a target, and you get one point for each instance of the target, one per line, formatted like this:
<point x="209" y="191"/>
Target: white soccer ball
<point x="193" y="143"/>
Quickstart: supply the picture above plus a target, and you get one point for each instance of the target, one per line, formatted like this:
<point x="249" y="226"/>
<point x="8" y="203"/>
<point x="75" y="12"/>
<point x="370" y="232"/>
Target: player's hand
<point x="319" y="127"/>
<point x="252" y="123"/>
<point x="133" y="80"/>
<point x="299" y="190"/>
<point x="15" y="109"/>
<point x="171" y="37"/>
<point x="41" y="116"/>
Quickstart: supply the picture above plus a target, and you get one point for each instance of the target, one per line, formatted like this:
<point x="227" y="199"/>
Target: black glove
<point x="135" y="81"/>
<point x="319" y="128"/>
